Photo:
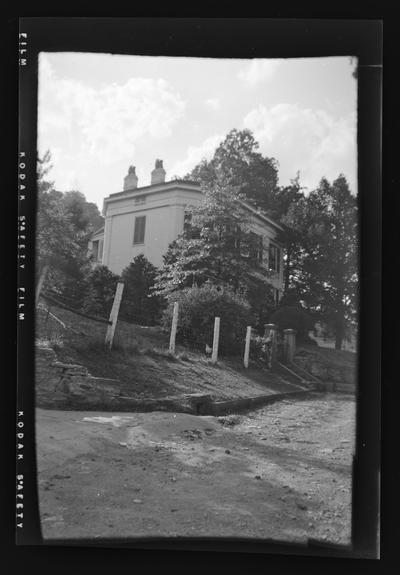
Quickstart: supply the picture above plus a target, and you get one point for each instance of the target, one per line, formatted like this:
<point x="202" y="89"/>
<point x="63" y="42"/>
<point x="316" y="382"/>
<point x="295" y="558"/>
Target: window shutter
<point x="138" y="235"/>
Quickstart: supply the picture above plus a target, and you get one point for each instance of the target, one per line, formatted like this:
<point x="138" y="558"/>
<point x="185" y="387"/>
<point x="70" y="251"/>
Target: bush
<point x="198" y="306"/>
<point x="293" y="317"/>
<point x="138" y="304"/>
<point x="101" y="286"/>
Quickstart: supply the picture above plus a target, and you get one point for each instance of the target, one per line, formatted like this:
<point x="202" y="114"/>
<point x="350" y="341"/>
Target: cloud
<point x="195" y="154"/>
<point x="110" y="121"/>
<point x="213" y="103"/>
<point x="257" y="71"/>
<point x="311" y="141"/>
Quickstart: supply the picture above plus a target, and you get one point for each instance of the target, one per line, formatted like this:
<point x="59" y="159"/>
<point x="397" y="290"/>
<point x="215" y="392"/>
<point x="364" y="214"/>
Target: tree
<point x="325" y="271"/>
<point x="101" y="284"/>
<point x="242" y="167"/>
<point x="55" y="234"/>
<point x="139" y="304"/>
<point x="216" y="245"/>
<point x="64" y="223"/>
<point x="85" y="216"/>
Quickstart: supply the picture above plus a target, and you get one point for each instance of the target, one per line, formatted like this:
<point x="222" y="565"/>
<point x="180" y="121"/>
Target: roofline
<point x="156" y="187"/>
<point x="159" y="187"/>
<point x="261" y="215"/>
<point x="97" y="232"/>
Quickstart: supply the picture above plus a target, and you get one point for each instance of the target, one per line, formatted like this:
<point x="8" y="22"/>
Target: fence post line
<point x="174" y="327"/>
<point x="114" y="314"/>
<point x="40" y="283"/>
<point x="214" y="356"/>
<point x="247" y="347"/>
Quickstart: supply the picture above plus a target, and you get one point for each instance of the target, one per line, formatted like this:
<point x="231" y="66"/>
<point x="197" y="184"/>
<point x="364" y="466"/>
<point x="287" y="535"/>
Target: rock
<point x="227" y="451"/>
<point x="258" y="476"/>
<point x="137" y="501"/>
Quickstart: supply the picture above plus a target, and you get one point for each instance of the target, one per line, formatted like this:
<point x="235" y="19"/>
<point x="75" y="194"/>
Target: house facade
<point x="145" y="220"/>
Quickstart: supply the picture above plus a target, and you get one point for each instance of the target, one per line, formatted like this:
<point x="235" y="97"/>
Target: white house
<point x="145" y="220"/>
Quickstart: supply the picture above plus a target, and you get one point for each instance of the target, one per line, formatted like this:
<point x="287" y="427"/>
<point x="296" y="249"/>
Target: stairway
<point x="295" y="375"/>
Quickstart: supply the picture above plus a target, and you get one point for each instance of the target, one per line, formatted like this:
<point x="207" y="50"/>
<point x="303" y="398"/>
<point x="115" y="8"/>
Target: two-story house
<point x="145" y="220"/>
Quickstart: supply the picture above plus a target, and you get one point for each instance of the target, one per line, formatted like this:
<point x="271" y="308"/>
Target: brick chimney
<point x="158" y="174"/>
<point x="131" y="180"/>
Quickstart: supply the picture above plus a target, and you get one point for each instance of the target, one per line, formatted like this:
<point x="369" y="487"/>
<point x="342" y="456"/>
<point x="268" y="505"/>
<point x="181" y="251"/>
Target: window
<point x="189" y="230"/>
<point x="274" y="258"/>
<point x="254" y="248"/>
<point x="138" y="234"/>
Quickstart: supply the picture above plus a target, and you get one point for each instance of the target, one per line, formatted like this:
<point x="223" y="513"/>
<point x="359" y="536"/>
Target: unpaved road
<point x="281" y="472"/>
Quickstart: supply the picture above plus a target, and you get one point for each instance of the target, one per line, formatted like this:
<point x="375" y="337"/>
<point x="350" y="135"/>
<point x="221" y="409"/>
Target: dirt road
<point x="281" y="472"/>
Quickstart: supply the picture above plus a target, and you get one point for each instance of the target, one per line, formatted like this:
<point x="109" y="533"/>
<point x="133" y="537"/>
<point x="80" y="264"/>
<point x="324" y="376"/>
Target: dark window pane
<point x="95" y="250"/>
<point x="138" y="235"/>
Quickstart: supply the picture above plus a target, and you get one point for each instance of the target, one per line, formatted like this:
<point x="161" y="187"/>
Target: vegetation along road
<point x="281" y="472"/>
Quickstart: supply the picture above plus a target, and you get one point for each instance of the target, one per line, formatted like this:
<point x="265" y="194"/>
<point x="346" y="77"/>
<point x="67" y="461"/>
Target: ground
<point x="143" y="367"/>
<point x="281" y="472"/>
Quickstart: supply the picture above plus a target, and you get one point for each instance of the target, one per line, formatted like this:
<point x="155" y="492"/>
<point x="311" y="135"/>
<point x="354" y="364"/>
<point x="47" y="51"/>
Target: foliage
<point x="262" y="302"/>
<point x="64" y="224"/>
<point x="293" y="317"/>
<point x="238" y="162"/>
<point x="55" y="237"/>
<point x="325" y="269"/>
<point x="260" y="349"/>
<point x="85" y="216"/>
<point x="101" y="285"/>
<point x="139" y="305"/>
<point x="198" y="306"/>
<point x="216" y="246"/>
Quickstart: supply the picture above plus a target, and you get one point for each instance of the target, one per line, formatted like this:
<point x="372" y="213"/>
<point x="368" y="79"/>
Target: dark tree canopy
<point x="216" y="245"/>
<point x="325" y="267"/>
<point x="85" y="216"/>
<point x="64" y="223"/>
<point x="238" y="162"/>
<point x="139" y="305"/>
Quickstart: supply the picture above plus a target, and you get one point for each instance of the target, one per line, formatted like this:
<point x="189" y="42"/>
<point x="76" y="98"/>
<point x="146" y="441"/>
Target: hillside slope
<point x="141" y="363"/>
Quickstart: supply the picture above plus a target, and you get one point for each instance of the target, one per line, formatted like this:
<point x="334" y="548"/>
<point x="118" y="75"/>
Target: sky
<point x="100" y="113"/>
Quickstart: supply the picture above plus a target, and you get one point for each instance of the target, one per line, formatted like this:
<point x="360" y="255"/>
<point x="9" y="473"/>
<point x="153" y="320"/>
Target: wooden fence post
<point x="214" y="356"/>
<point x="114" y="314"/>
<point x="247" y="347"/>
<point x="40" y="284"/>
<point x="174" y="328"/>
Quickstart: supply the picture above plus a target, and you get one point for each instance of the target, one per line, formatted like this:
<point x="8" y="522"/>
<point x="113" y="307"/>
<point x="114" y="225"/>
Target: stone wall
<point x="61" y="385"/>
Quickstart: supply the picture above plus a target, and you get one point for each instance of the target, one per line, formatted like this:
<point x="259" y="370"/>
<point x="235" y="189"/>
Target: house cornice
<point x="185" y="185"/>
<point x="260" y="215"/>
<point x="152" y="189"/>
